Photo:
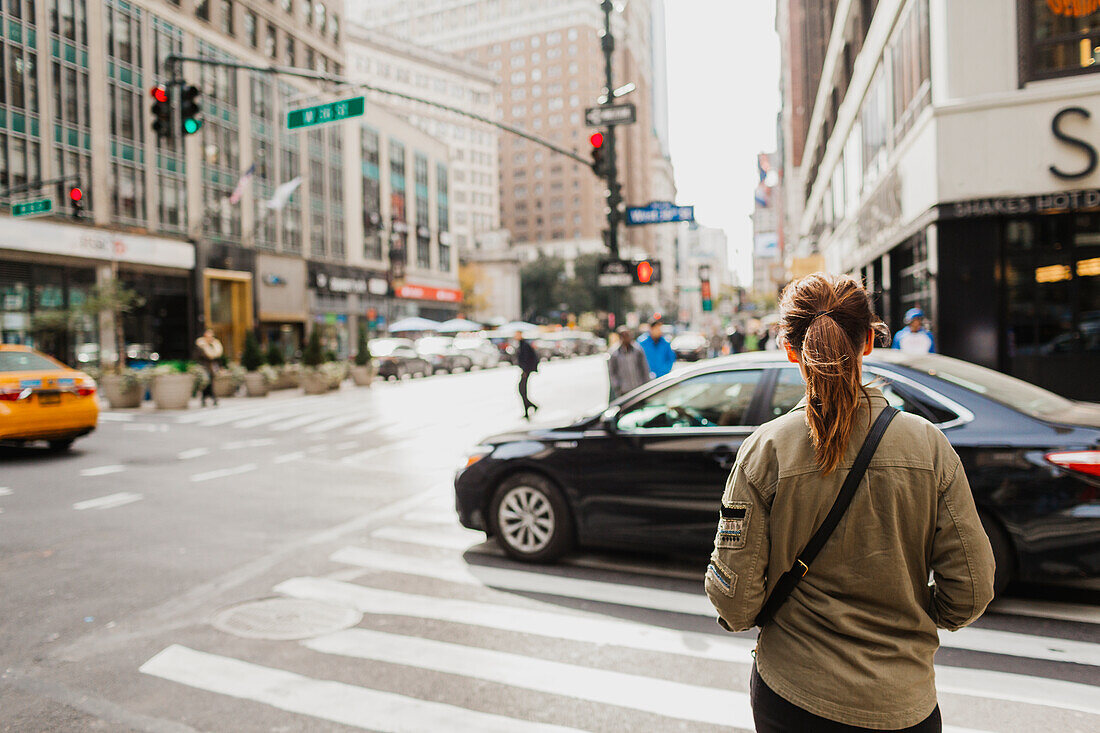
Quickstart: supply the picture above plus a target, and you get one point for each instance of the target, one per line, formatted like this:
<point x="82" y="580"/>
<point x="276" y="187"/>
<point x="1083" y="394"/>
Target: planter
<point x="314" y="382"/>
<point x="362" y="375"/>
<point x="225" y="385"/>
<point x="172" y="391"/>
<point x="288" y="379"/>
<point x="121" y="391"/>
<point x="255" y="385"/>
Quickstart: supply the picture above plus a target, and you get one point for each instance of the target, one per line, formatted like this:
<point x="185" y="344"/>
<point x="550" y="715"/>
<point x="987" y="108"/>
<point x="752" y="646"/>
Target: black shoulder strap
<point x="790" y="578"/>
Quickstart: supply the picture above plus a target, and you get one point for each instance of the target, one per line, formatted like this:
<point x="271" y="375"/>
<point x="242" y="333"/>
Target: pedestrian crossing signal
<point x="647" y="272"/>
<point x="599" y="164"/>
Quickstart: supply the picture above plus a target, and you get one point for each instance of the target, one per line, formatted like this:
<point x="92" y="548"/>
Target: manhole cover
<point x="284" y="618"/>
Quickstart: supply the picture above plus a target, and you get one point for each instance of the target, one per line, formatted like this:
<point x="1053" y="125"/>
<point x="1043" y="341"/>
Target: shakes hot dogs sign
<point x="1073" y="8"/>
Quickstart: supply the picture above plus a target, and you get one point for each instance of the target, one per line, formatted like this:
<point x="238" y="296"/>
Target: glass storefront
<point x="40" y="306"/>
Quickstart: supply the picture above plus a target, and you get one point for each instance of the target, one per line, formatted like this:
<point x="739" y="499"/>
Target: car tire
<point x="524" y="505"/>
<point x="59" y="446"/>
<point x="1003" y="553"/>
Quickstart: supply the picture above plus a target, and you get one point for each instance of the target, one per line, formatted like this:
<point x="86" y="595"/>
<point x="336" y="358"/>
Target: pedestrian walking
<point x="627" y="368"/>
<point x="528" y="360"/>
<point x="737" y="341"/>
<point x="849" y="646"/>
<point x="658" y="351"/>
<point x="914" y="338"/>
<point x="208" y="351"/>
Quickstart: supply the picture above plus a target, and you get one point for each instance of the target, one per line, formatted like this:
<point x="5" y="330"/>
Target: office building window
<point x="202" y="9"/>
<point x="912" y="67"/>
<point x="443" y="217"/>
<point x="372" y="196"/>
<point x="423" y="233"/>
<point x="225" y="16"/>
<point x="250" y="33"/>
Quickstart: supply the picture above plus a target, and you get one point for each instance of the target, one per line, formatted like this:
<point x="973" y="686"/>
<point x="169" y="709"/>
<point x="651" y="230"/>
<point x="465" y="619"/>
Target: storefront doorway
<point x="228" y="307"/>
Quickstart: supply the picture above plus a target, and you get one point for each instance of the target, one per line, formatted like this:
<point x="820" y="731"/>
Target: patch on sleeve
<point x="733" y="525"/>
<point x="721" y="577"/>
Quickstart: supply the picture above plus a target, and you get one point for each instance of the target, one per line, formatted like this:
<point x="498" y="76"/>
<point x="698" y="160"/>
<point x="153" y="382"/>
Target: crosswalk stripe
<point x="1047" y="609"/>
<point x="338" y="702"/>
<point x="631" y="691"/>
<point x="115" y="416"/>
<point x="300" y="421"/>
<point x="244" y="408"/>
<point x="270" y="416"/>
<point x="110" y="501"/>
<point x="452" y="539"/>
<point x="334" y="422"/>
<point x="972" y="639"/>
<point x="594" y="629"/>
<point x="366" y="427"/>
<point x="223" y="472"/>
<point x="103" y="470"/>
<point x="555" y="624"/>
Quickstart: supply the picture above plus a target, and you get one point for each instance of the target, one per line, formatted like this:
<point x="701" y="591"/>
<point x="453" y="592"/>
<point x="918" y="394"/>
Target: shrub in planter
<point x="274" y="355"/>
<point x="334" y="373"/>
<point x="174" y="383"/>
<point x="288" y="376"/>
<point x="123" y="389"/>
<point x="252" y="360"/>
<point x="313" y="380"/>
<point x="228" y="380"/>
<point x="363" y="371"/>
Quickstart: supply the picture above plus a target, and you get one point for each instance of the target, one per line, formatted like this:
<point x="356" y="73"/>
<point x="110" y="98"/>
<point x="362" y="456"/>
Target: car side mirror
<point x="610" y="419"/>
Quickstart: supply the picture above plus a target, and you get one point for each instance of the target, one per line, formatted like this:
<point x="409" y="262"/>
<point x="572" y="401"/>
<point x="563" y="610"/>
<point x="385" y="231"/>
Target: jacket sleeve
<point x="735" y="580"/>
<point x="962" y="560"/>
<point x="613" y="373"/>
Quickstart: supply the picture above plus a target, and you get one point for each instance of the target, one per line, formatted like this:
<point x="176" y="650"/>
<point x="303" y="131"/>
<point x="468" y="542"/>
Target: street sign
<point x="321" y="113"/>
<point x="32" y="208"/>
<point x="612" y="114"/>
<point x="658" y="212"/>
<point x="615" y="274"/>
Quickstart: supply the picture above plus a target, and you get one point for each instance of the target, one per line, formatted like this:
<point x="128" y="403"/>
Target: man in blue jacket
<point x="658" y="351"/>
<point x="915" y="338"/>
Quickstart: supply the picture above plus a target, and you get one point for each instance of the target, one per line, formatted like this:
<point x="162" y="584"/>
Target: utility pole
<point x="614" y="191"/>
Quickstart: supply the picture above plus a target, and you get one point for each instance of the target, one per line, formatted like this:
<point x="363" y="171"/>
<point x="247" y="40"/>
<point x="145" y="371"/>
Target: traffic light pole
<point x="614" y="191"/>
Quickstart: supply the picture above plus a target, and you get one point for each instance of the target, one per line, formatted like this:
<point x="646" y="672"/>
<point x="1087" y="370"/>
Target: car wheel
<point x="58" y="446"/>
<point x="1002" y="553"/>
<point x="530" y="518"/>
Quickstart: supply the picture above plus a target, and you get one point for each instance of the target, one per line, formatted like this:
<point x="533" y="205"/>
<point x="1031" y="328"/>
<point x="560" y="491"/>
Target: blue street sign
<point x="658" y="212"/>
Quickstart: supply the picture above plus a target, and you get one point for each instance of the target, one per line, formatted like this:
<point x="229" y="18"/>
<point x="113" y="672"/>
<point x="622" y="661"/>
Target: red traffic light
<point x="159" y="93"/>
<point x="596" y="139"/>
<point x="645" y="272"/>
<point x="76" y="194"/>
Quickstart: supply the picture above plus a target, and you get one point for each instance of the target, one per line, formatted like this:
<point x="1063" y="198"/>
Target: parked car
<point x="504" y="342"/>
<point x="586" y="343"/>
<point x="549" y="346"/>
<point x="42" y="399"/>
<point x="690" y="346"/>
<point x="441" y="355"/>
<point x="481" y="351"/>
<point x="397" y="359"/>
<point x="648" y="472"/>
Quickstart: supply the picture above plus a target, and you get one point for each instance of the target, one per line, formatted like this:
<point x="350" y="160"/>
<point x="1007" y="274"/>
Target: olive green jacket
<point x="854" y="641"/>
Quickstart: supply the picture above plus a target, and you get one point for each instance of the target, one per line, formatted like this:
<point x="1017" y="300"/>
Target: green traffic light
<point x="191" y="126"/>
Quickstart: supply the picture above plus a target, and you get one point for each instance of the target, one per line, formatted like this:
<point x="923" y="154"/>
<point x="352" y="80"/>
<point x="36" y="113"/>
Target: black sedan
<point x="648" y="473"/>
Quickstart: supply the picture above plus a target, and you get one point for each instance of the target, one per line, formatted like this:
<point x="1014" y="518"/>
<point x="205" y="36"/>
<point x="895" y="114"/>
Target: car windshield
<point x="24" y="361"/>
<point x="1016" y="393"/>
<point x="385" y="347"/>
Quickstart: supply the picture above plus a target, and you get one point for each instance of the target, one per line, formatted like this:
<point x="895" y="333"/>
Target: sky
<point x="723" y="78"/>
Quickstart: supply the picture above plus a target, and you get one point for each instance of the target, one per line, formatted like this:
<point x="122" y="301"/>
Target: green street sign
<point x="32" y="208"/>
<point x="322" y="113"/>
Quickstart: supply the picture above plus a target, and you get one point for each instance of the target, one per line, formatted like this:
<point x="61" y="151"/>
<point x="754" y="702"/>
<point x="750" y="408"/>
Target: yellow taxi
<point x="42" y="399"/>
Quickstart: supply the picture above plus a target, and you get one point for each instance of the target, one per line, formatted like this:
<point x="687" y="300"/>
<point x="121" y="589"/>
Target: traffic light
<point x="162" y="111"/>
<point x="76" y="196"/>
<point x="190" y="111"/>
<point x="598" y="162"/>
<point x="646" y="272"/>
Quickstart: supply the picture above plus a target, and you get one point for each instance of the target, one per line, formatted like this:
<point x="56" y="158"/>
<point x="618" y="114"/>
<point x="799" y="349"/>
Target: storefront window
<point x="1063" y="40"/>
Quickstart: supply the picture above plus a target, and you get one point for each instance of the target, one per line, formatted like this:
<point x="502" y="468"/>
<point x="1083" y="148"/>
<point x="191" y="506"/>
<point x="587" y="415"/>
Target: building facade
<point x="546" y="54"/>
<point x="949" y="156"/>
<point x="703" y="251"/>
<point x="191" y="223"/>
<point x="768" y="271"/>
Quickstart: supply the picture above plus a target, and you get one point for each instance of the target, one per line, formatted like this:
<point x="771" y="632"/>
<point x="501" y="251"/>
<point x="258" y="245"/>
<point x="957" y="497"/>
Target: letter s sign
<point x="1076" y="142"/>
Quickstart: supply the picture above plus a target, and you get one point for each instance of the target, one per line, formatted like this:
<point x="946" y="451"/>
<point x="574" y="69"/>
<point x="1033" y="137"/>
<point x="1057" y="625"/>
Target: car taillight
<point x="85" y="391"/>
<point x="10" y="394"/>
<point x="1080" y="461"/>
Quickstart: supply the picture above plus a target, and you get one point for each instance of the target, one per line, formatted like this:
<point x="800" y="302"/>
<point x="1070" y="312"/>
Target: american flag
<point x="235" y="197"/>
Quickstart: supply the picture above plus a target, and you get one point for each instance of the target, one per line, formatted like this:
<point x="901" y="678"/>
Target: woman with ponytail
<point x="836" y="571"/>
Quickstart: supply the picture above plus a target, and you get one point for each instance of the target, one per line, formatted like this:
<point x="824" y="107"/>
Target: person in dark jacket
<point x="627" y="368"/>
<point x="528" y="361"/>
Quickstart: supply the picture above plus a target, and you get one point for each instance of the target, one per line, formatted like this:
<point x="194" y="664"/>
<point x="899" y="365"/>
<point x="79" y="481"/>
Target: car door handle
<point x="724" y="455"/>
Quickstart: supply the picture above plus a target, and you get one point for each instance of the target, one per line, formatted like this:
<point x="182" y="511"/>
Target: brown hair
<point x="825" y="318"/>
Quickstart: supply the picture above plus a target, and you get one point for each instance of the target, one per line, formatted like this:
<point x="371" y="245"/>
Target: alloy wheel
<point x="526" y="519"/>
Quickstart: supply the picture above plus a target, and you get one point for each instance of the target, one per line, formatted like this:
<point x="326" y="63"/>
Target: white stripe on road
<point x="971" y="639"/>
<point x="1047" y="609"/>
<point x="275" y="414"/>
<point x="334" y="422"/>
<point x="630" y="691"/>
<point x="1018" y="688"/>
<point x="223" y="472"/>
<point x="358" y="707"/>
<point x="346" y="444"/>
<point x="103" y="470"/>
<point x="184" y="455"/>
<point x="115" y="416"/>
<point x="554" y="624"/>
<point x="287" y="457"/>
<point x="300" y="421"/>
<point x="253" y="443"/>
<point x="146" y="427"/>
<point x="5" y="491"/>
<point x="522" y="580"/>
<point x="108" y="502"/>
<point x="457" y="538"/>
<point x="366" y="427"/>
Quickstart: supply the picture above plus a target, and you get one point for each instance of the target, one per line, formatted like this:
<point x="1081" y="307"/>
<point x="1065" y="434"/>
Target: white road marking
<point x="315" y="449"/>
<point x="184" y="455"/>
<point x="5" y="491"/>
<point x="223" y="472"/>
<point x="253" y="443"/>
<point x="334" y="422"/>
<point x="102" y="470"/>
<point x="366" y="427"/>
<point x="115" y="416"/>
<point x="265" y="418"/>
<point x="972" y="639"/>
<point x="298" y="422"/>
<point x="1047" y="609"/>
<point x="108" y="502"/>
<point x="457" y="538"/>
<point x="554" y="623"/>
<point x="287" y="457"/>
<point x="145" y="427"/>
<point x="630" y="691"/>
<point x="358" y="707"/>
<point x="346" y="444"/>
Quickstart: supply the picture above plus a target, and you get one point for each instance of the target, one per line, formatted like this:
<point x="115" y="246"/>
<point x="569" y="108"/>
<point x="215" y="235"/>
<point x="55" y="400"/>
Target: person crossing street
<point x="658" y="351"/>
<point x="528" y="361"/>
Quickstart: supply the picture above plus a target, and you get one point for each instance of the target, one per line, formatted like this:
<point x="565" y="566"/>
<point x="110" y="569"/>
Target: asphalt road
<point x="293" y="564"/>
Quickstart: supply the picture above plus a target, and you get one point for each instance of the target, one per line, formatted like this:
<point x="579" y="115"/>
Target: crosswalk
<point x="440" y="607"/>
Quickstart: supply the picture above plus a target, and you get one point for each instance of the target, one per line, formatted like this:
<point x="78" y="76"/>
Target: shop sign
<point x="337" y="284"/>
<point x="377" y="286"/>
<point x="1073" y="8"/>
<point x="274" y="280"/>
<point x="1089" y="166"/>
<point x="100" y="244"/>
<point x="1048" y="203"/>
<point x="425" y="292"/>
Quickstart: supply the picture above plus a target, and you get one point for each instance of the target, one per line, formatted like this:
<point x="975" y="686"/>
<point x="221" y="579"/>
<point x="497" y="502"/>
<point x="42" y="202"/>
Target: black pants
<point x="208" y="390"/>
<point x="774" y="714"/>
<point x="527" y="403"/>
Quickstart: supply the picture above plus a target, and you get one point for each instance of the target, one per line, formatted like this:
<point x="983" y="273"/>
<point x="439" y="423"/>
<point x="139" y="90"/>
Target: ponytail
<point x="826" y="319"/>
